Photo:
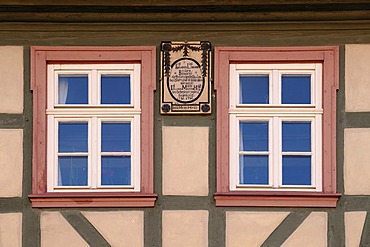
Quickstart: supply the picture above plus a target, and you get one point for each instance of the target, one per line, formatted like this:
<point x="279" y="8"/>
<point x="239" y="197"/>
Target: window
<point x="276" y="126"/>
<point x="275" y="122"/>
<point x="93" y="126"/>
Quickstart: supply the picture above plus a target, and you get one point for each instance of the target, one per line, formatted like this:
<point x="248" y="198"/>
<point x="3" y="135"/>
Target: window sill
<point x="276" y="199"/>
<point x="86" y="200"/>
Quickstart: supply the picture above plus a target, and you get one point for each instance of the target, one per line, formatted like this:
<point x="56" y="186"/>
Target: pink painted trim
<point x="67" y="200"/>
<point x="303" y="200"/>
<point x="148" y="71"/>
<point x="222" y="69"/>
<point x="275" y="193"/>
<point x="38" y="77"/>
<point x="330" y="87"/>
<point x="41" y="56"/>
<point x="328" y="55"/>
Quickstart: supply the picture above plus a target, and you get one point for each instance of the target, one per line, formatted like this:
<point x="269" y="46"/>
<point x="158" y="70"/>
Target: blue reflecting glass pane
<point x="254" y="136"/>
<point x="296" y="89"/>
<point x="116" y="137"/>
<point x="116" y="170"/>
<point x="254" y="89"/>
<point x="72" y="137"/>
<point x="296" y="136"/>
<point x="296" y="170"/>
<point x="254" y="169"/>
<point x="115" y="89"/>
<point x="73" y="89"/>
<point x="72" y="171"/>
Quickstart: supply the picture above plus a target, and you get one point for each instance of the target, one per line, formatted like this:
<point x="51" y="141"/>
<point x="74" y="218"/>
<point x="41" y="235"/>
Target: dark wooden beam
<point x="175" y="3"/>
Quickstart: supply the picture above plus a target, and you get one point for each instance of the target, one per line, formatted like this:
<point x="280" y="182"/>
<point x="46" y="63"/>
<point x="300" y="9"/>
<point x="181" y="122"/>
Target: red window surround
<point x="329" y="57"/>
<point x="40" y="57"/>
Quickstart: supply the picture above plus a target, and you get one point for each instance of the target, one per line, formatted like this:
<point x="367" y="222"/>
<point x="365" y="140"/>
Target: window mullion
<point x="276" y="87"/>
<point x="116" y="154"/>
<point x="52" y="157"/>
<point x="52" y="89"/>
<point x="95" y="154"/>
<point x="135" y="86"/>
<point x="255" y="152"/>
<point x="313" y="152"/>
<point x="276" y="152"/>
<point x="318" y="152"/>
<point x="317" y="85"/>
<point x="234" y="149"/>
<point x="135" y="153"/>
<point x="234" y="87"/>
<point x="298" y="153"/>
<point x="94" y="88"/>
<point x="73" y="154"/>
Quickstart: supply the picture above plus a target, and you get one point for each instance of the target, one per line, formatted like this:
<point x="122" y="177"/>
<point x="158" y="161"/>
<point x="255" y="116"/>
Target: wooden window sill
<point x="276" y="199"/>
<point x="86" y="200"/>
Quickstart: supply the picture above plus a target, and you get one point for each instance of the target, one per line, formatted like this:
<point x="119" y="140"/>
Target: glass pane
<point x="115" y="170"/>
<point x="296" y="89"/>
<point x="115" y="89"/>
<point x="254" y="89"/>
<point x="254" y="169"/>
<point x="296" y="136"/>
<point x="72" y="171"/>
<point x="254" y="136"/>
<point x="73" y="89"/>
<point x="116" y="137"/>
<point x="296" y="170"/>
<point x="72" y="137"/>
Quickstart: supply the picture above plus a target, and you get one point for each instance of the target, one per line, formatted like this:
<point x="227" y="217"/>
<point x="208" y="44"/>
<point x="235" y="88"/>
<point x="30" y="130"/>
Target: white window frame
<point x="275" y="113"/>
<point x="94" y="114"/>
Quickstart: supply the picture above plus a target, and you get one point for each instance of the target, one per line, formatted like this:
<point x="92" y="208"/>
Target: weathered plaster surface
<point x="57" y="232"/>
<point x="11" y="229"/>
<point x="251" y="227"/>
<point x="119" y="228"/>
<point x="185" y="161"/>
<point x="11" y="83"/>
<point x="354" y="224"/>
<point x="356" y="161"/>
<point x="11" y="162"/>
<point x="185" y="228"/>
<point x="312" y="232"/>
<point x="357" y="78"/>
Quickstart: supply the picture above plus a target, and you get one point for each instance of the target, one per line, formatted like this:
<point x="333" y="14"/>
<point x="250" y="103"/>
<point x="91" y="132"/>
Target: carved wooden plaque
<point x="185" y="84"/>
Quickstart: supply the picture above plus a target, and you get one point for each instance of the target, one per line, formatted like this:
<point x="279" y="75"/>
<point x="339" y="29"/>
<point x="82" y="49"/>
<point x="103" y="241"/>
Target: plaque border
<point x="169" y="47"/>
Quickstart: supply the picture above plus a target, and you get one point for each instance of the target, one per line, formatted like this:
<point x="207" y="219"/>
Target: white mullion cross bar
<point x="115" y="153"/>
<point x="254" y="152"/>
<point x="297" y="153"/>
<point x="73" y="154"/>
